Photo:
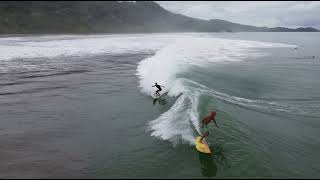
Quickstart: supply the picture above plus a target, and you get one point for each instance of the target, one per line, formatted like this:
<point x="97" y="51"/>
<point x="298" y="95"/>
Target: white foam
<point x="175" y="125"/>
<point x="68" y="45"/>
<point x="189" y="46"/>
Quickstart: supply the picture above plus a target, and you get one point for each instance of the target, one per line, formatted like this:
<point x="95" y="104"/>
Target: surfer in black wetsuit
<point x="159" y="88"/>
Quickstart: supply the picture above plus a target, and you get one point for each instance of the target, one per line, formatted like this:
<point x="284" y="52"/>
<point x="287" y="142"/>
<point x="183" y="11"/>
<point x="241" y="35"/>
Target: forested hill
<point x="109" y="17"/>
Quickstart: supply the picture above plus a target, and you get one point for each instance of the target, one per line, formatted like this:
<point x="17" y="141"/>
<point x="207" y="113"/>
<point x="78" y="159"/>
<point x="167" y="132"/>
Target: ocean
<point x="78" y="106"/>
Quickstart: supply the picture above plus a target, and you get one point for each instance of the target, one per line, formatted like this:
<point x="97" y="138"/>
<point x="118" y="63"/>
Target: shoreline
<point x="119" y="33"/>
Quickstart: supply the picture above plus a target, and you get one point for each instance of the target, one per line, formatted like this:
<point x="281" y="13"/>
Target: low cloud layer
<point x="290" y="14"/>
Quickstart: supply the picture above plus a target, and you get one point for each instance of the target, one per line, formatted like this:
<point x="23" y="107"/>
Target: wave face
<point x="170" y="66"/>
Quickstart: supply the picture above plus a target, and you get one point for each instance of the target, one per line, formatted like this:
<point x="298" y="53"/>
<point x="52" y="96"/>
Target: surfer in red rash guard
<point x="210" y="117"/>
<point x="205" y="121"/>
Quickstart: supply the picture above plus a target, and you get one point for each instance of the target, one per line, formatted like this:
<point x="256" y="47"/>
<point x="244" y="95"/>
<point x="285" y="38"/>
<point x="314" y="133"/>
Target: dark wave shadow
<point x="209" y="162"/>
<point x="208" y="166"/>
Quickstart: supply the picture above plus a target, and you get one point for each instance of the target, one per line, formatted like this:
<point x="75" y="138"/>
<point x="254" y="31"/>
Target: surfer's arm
<point x="215" y="123"/>
<point x="162" y="86"/>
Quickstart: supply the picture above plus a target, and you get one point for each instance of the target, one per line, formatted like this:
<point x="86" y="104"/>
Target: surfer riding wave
<point x="159" y="88"/>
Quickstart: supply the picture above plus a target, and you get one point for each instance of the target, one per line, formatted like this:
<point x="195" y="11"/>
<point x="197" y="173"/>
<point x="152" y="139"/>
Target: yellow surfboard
<point x="202" y="147"/>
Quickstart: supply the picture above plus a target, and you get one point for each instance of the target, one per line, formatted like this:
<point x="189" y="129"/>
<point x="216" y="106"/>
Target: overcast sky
<point x="290" y="14"/>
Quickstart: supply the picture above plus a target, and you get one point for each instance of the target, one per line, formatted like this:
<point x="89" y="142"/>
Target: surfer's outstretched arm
<point x="215" y="123"/>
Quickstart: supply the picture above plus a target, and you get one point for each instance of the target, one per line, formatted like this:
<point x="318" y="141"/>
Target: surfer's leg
<point x="204" y="125"/>
<point x="204" y="135"/>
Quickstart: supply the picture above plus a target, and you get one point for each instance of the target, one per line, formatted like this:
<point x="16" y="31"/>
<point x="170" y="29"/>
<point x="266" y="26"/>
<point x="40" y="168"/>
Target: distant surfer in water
<point x="159" y="88"/>
<point x="205" y="121"/>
